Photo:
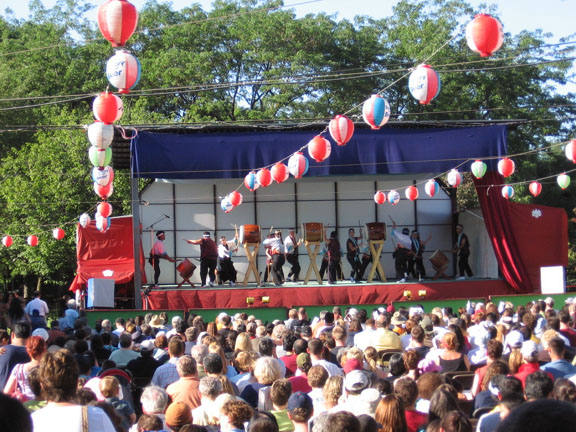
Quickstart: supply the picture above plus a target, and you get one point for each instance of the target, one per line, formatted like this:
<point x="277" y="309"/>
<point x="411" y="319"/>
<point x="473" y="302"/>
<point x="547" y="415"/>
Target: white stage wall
<point x="194" y="207"/>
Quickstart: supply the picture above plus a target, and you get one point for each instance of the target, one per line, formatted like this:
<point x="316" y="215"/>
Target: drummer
<point x="208" y="257"/>
<point x="277" y="252"/>
<point x="402" y="252"/>
<point x="159" y="252"/>
<point x="225" y="267"/>
<point x="415" y="261"/>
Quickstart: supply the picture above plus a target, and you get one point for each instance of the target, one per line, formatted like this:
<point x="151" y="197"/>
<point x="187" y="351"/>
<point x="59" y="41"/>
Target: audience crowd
<point x="486" y="367"/>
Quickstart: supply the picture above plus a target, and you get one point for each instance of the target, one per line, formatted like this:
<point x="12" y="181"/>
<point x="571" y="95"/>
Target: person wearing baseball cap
<point x="300" y="409"/>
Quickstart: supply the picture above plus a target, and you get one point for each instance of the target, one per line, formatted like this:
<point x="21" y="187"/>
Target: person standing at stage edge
<point x="208" y="258"/>
<point x="291" y="248"/>
<point x="277" y="252"/>
<point x="353" y="255"/>
<point x="158" y="252"/>
<point x="462" y="248"/>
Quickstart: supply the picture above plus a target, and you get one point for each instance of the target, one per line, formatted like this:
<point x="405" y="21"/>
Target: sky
<point x="555" y="16"/>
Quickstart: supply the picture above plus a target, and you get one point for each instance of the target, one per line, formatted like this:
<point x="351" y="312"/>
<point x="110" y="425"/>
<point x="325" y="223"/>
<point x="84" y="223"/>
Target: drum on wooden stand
<point x="313" y="231"/>
<point x="250" y="234"/>
<point x="439" y="260"/>
<point x="376" y="230"/>
<point x="186" y="268"/>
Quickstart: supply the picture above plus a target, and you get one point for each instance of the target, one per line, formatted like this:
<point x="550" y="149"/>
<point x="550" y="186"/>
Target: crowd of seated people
<point x="486" y="367"/>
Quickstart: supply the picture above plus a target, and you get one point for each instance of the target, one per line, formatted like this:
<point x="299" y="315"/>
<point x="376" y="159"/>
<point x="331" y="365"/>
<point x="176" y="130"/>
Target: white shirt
<point x="289" y="245"/>
<point x="38" y="304"/>
<point x="331" y="368"/>
<point x="362" y="339"/>
<point x="69" y="419"/>
<point x="276" y="245"/>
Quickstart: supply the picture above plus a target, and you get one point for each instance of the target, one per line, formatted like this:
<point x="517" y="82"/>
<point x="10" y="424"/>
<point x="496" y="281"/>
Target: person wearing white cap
<point x="530" y="363"/>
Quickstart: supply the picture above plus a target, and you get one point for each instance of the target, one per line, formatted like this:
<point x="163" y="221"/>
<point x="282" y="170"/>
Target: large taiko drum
<point x="376" y="230"/>
<point x="186" y="268"/>
<point x="250" y="234"/>
<point x="439" y="260"/>
<point x="313" y="231"/>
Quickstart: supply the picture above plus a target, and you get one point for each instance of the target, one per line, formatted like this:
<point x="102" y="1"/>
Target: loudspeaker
<point x="100" y="293"/>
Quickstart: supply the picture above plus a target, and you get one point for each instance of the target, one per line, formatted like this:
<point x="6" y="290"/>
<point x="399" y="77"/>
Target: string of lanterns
<point x="484" y="34"/>
<point x="117" y="21"/>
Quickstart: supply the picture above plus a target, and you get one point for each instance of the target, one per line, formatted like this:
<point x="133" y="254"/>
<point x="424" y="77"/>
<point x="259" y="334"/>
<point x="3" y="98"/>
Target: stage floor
<point x="313" y="294"/>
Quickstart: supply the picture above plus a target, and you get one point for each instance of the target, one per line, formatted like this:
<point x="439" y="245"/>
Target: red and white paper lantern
<point x="103" y="175"/>
<point x="235" y="198"/>
<point x="376" y="111"/>
<point x="424" y="84"/>
<point x="117" y="20"/>
<point x="570" y="151"/>
<point x="484" y="34"/>
<point x="431" y="188"/>
<point x="107" y="108"/>
<point x="454" y="178"/>
<point x="251" y="182"/>
<point x="535" y="188"/>
<point x="102" y="223"/>
<point x="393" y="197"/>
<point x="58" y="233"/>
<point x="264" y="177"/>
<point x="104" y="209"/>
<point x="298" y="165"/>
<point x="104" y="192"/>
<point x="32" y="240"/>
<point x="7" y="241"/>
<point x="506" y="167"/>
<point x="280" y="172"/>
<point x="123" y="71"/>
<point x="412" y="193"/>
<point x="379" y="197"/>
<point x="84" y="220"/>
<point x="507" y="191"/>
<point x="341" y="129"/>
<point x="319" y="148"/>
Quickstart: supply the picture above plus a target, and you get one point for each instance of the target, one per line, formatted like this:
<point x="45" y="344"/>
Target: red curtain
<point x="525" y="237"/>
<point x="100" y="253"/>
<point x="496" y="212"/>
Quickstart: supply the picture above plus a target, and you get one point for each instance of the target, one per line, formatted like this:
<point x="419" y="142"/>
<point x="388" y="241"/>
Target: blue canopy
<point x="202" y="155"/>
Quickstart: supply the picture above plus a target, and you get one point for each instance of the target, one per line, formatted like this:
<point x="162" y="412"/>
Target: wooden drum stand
<point x="251" y="250"/>
<point x="376" y="239"/>
<point x="313" y="238"/>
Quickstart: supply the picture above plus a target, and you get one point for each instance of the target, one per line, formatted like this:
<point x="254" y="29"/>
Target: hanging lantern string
<point x="198" y="21"/>
<point x="207" y="198"/>
<point x="356" y="107"/>
<point x="70" y="222"/>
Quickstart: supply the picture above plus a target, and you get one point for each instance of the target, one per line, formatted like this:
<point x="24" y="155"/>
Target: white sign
<point x="552" y="280"/>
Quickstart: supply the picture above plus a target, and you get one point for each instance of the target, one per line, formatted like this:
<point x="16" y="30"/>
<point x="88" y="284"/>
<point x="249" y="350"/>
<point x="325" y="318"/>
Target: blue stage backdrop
<point x="386" y="151"/>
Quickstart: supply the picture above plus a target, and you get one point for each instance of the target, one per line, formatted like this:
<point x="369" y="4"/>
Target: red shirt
<point x="569" y="334"/>
<point x="527" y="369"/>
<point x="290" y="363"/>
<point x="415" y="420"/>
<point x="300" y="383"/>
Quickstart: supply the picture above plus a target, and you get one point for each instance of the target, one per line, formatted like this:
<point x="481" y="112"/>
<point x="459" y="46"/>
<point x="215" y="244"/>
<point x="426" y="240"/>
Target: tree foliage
<point x="248" y="61"/>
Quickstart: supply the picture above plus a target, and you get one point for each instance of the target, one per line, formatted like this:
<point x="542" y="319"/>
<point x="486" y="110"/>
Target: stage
<point x="314" y="294"/>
